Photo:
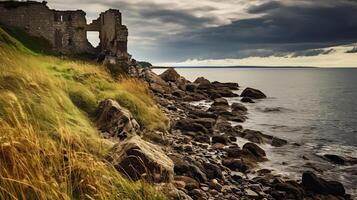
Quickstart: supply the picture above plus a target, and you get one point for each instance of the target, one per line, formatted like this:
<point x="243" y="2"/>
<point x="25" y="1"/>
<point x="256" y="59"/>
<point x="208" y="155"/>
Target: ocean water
<point x="313" y="107"/>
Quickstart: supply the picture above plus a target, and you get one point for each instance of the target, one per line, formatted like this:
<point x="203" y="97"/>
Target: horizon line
<point x="248" y="66"/>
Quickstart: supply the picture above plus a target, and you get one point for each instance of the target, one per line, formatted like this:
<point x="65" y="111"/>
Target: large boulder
<point x="253" y="93"/>
<point x="183" y="167"/>
<point x="170" y="75"/>
<point x="255" y="150"/>
<point x="156" y="83"/>
<point x="115" y="121"/>
<point x="151" y="77"/>
<point x="138" y="159"/>
<point x="318" y="185"/>
<point x="202" y="81"/>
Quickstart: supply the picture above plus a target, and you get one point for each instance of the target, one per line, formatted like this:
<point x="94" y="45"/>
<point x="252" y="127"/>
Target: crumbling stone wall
<point x="67" y="30"/>
<point x="112" y="33"/>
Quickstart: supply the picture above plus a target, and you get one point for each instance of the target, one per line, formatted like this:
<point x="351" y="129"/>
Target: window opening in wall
<point x="93" y="38"/>
<point x="61" y="18"/>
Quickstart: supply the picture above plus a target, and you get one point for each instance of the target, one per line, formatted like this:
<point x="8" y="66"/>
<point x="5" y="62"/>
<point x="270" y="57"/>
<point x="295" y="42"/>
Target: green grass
<point x="49" y="147"/>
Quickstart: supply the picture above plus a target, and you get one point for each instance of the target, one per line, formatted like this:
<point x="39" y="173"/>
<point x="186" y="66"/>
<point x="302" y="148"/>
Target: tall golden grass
<point x="49" y="148"/>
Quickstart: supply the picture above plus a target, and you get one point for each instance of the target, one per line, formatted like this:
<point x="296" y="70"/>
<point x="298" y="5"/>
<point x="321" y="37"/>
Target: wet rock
<point x="189" y="125"/>
<point x="247" y="100"/>
<point x="263" y="172"/>
<point x="251" y="194"/>
<point x="253" y="136"/>
<point x="234" y="152"/>
<point x="277" y="142"/>
<point x="208" y="123"/>
<point x="336" y="159"/>
<point x="230" y="85"/>
<point x="320" y="186"/>
<point x="139" y="159"/>
<point x="238" y="107"/>
<point x="220" y="92"/>
<point x="202" y="114"/>
<point x="115" y="120"/>
<point x="170" y="75"/>
<point x="219" y="110"/>
<point x="255" y="150"/>
<point x="253" y="93"/>
<point x="292" y="189"/>
<point x="235" y="164"/>
<point x="220" y="139"/>
<point x="212" y="171"/>
<point x="224" y="126"/>
<point x="220" y="102"/>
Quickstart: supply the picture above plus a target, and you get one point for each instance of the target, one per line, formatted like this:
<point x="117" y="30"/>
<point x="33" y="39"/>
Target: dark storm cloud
<point x="282" y="28"/>
<point x="174" y="31"/>
<point x="313" y="52"/>
<point x="180" y="17"/>
<point x="144" y="12"/>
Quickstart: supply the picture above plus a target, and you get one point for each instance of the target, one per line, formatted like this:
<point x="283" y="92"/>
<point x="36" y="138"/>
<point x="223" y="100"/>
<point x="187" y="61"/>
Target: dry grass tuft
<point x="49" y="148"/>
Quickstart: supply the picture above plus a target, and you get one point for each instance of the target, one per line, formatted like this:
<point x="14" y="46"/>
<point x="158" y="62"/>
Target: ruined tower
<point x="112" y="33"/>
<point x="67" y="30"/>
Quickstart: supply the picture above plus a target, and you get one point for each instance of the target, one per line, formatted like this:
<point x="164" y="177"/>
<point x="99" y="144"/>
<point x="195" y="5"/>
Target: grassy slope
<point x="49" y="148"/>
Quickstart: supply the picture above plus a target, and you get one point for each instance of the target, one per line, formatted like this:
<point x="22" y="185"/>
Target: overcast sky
<point x="235" y="32"/>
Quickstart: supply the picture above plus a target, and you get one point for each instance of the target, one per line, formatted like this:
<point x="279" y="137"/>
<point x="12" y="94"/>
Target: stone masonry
<point x="67" y="30"/>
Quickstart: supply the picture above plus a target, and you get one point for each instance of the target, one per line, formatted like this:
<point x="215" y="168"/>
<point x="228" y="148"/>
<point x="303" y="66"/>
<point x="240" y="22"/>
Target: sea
<point x="315" y="109"/>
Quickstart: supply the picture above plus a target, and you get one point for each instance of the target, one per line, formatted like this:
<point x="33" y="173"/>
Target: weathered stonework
<point x="67" y="30"/>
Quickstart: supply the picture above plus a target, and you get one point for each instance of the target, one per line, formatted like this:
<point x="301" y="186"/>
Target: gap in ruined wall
<point x="93" y="38"/>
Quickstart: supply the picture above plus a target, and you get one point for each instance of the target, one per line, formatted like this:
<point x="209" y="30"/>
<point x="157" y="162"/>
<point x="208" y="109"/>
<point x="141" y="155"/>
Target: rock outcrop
<point x="138" y="159"/>
<point x="170" y="75"/>
<point x="318" y="185"/>
<point x="115" y="121"/>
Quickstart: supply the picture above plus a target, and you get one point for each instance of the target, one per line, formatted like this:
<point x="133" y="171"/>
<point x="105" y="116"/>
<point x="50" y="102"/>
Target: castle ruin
<point x="67" y="30"/>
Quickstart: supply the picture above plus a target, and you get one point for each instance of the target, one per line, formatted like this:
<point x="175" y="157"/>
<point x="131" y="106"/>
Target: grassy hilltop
<point x="49" y="146"/>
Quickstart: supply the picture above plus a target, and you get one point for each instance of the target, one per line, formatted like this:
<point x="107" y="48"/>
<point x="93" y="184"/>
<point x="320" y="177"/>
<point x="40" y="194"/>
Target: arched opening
<point x="93" y="38"/>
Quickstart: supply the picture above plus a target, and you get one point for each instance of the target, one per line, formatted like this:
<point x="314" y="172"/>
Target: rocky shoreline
<point x="199" y="156"/>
